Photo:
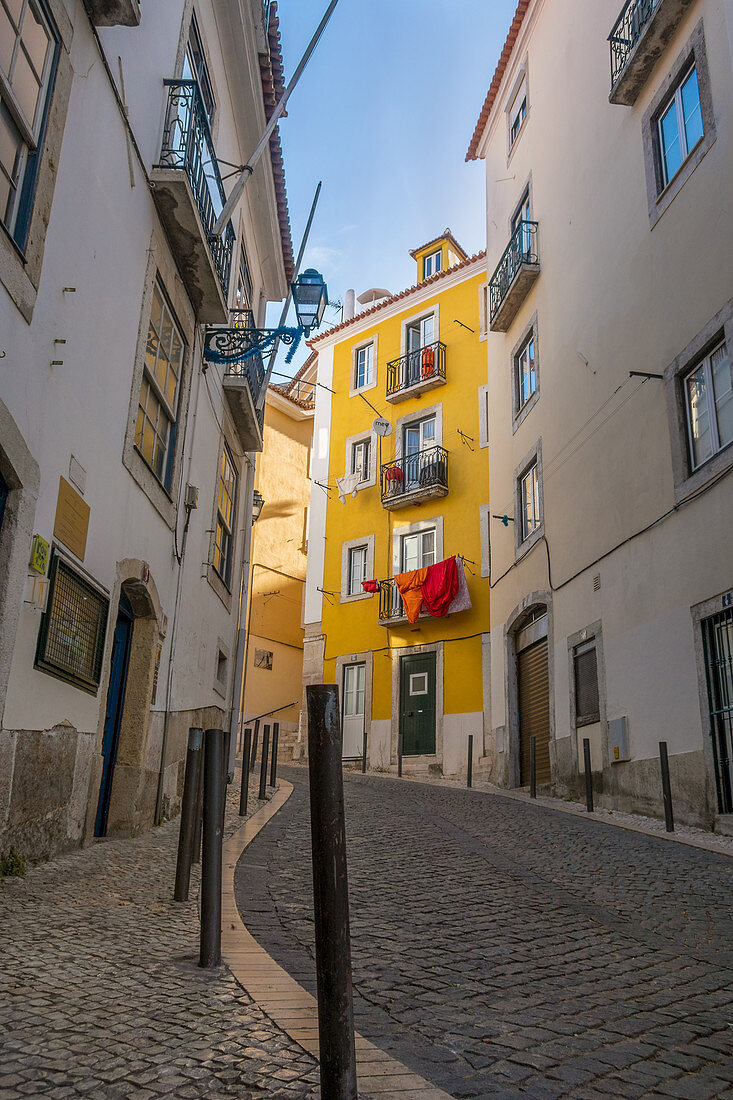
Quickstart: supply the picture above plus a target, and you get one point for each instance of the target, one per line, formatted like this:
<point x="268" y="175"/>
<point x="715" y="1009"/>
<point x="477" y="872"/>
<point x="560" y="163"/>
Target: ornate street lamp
<point x="258" y="503"/>
<point x="310" y="295"/>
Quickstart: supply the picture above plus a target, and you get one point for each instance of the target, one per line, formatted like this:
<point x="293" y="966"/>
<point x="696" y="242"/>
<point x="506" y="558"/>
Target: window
<point x="263" y="659"/>
<point x="361" y="459"/>
<point x="522" y="217"/>
<point x="364" y="367"/>
<point x="27" y="60"/>
<point x="708" y="393"/>
<point x="680" y="127"/>
<point x="525" y="375"/>
<point x="243" y="296"/>
<point x="420" y="333"/>
<point x="71" y="636"/>
<point x="418" y="550"/>
<point x="585" y="667"/>
<point x="155" y="427"/>
<point x="195" y="68"/>
<point x="357" y="569"/>
<point x="226" y="503"/>
<point x="432" y="264"/>
<point x="517" y="115"/>
<point x="529" y="495"/>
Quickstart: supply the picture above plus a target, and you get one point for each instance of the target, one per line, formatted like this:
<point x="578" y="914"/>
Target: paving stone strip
<point x="101" y="995"/>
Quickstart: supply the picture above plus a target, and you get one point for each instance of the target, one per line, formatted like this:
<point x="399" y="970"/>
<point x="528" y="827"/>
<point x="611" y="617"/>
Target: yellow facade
<point x="352" y="627"/>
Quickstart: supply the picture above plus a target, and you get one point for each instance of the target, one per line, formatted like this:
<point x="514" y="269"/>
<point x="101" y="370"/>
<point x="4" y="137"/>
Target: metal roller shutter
<point x="534" y="710"/>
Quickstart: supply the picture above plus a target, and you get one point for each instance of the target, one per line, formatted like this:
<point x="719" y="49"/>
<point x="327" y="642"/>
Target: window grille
<point x="72" y="632"/>
<point x="587" y="708"/>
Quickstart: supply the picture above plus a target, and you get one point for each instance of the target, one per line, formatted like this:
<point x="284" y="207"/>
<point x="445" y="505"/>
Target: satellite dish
<point x="382" y="427"/>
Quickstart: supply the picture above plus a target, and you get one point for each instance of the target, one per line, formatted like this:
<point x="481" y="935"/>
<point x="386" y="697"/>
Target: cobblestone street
<point x="101" y="995"/>
<point x="504" y="949"/>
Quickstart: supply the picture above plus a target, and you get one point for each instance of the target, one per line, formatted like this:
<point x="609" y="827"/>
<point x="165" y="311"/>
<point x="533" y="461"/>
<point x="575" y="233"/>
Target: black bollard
<point x="210" y="953"/>
<point x="273" y="765"/>
<point x="533" y="767"/>
<point x="225" y="775"/>
<point x="263" y="764"/>
<point x="469" y="773"/>
<point x="330" y="896"/>
<point x="666" y="787"/>
<point x="399" y="754"/>
<point x="244" y="792"/>
<point x="255" y="738"/>
<point x="364" y="752"/>
<point x="588" y="776"/>
<point x="188" y="814"/>
<point x="199" y="812"/>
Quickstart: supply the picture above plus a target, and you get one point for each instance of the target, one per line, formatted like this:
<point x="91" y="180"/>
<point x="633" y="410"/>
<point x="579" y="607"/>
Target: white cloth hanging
<point x="462" y="598"/>
<point x="347" y="484"/>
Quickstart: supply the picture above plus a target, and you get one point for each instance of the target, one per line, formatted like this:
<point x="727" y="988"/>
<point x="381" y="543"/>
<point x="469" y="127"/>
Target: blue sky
<point x="383" y="114"/>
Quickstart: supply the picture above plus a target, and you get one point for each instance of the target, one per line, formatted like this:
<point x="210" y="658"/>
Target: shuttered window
<point x="587" y="708"/>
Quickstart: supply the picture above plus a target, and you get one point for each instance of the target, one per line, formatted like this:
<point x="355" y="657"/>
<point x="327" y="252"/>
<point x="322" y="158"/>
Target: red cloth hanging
<point x="370" y="586"/>
<point x="440" y="586"/>
<point x="428" y="362"/>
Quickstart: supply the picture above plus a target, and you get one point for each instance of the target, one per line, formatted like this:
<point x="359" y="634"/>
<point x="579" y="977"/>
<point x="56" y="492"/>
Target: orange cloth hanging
<point x="428" y="362"/>
<point x="409" y="586"/>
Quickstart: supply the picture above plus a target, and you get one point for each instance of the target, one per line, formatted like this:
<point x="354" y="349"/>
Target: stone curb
<point x="284" y="1000"/>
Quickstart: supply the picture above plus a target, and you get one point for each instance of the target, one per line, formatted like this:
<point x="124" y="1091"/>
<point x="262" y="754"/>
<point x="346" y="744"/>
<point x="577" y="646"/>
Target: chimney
<point x="349" y="305"/>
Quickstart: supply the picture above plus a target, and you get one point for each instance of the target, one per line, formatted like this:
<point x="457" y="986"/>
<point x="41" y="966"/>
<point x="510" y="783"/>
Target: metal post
<point x="225" y="776"/>
<point x="588" y="776"/>
<point x="533" y="767"/>
<point x="255" y="738"/>
<point x="188" y="814"/>
<point x="469" y="775"/>
<point x="399" y="754"/>
<point x="273" y="765"/>
<point x="364" y="752"/>
<point x="666" y="787"/>
<point x="330" y="895"/>
<point x="210" y="953"/>
<point x="263" y="764"/>
<point x="244" y="792"/>
<point x="199" y="812"/>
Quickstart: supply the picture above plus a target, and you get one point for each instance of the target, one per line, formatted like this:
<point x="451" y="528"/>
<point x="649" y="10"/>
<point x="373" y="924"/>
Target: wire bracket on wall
<point x="466" y="439"/>
<point x="326" y="488"/>
<point x="457" y="322"/>
<point x="329" y="595"/>
<point x="644" y="374"/>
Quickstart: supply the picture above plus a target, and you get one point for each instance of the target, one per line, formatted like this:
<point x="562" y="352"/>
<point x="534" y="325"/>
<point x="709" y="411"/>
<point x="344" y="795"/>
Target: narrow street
<point x="505" y="949"/>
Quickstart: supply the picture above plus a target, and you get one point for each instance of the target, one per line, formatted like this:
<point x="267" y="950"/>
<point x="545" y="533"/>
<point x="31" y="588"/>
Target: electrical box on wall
<point x="618" y="739"/>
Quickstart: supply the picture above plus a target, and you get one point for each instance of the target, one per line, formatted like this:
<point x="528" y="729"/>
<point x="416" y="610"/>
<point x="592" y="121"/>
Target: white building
<point x="113" y="118"/>
<point x="609" y="226"/>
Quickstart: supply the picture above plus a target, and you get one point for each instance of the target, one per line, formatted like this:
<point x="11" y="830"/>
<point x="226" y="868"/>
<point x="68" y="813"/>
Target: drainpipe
<point x="240" y="644"/>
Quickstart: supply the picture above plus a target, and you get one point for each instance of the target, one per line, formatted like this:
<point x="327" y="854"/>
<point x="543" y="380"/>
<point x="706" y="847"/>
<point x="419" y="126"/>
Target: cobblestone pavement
<point x="504" y="949"/>
<point x="100" y="994"/>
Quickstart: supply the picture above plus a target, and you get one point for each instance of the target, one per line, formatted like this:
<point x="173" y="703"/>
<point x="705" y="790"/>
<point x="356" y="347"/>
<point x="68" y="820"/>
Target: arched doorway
<point x="533" y="694"/>
<point x="119" y="664"/>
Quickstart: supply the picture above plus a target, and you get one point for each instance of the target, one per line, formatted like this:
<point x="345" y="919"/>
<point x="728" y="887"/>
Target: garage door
<point x="534" y="710"/>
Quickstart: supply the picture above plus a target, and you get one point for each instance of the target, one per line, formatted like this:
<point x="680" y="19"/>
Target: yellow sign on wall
<point x="39" y="554"/>
<point x="72" y="519"/>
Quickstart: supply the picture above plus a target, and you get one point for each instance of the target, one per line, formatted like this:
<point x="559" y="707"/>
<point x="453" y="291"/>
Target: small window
<point x="361" y="453"/>
<point x="195" y="68"/>
<point x="243" y="295"/>
<point x="420" y="334"/>
<point x="708" y="393"/>
<point x="680" y="126"/>
<point x="517" y="114"/>
<point x="364" y="370"/>
<point x="432" y="263"/>
<point x="357" y="569"/>
<point x="585" y="663"/>
<point x="226" y="503"/>
<point x="222" y="668"/>
<point x="72" y="632"/>
<point x="529" y="495"/>
<point x="155" y="427"/>
<point x="418" y="550"/>
<point x="525" y="372"/>
<point x="263" y="659"/>
<point x="28" y="51"/>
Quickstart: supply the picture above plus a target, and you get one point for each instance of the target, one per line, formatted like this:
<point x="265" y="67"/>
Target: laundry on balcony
<point x="428" y="362"/>
<point x="439" y="589"/>
<point x="409" y="586"/>
<point x="462" y="600"/>
<point x="370" y="586"/>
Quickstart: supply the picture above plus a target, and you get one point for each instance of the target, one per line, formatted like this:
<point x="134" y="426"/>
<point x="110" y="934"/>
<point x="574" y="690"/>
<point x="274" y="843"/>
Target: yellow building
<point x="278" y="558"/>
<point x="400" y="482"/>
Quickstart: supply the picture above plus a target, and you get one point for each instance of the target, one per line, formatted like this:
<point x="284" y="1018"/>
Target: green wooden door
<point x="417" y="704"/>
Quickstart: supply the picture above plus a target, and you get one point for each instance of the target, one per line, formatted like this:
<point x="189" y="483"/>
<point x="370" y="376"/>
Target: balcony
<point x="420" y="370"/>
<point x="415" y="478"/>
<point x="189" y="195"/>
<point x="637" y="41"/>
<point x="114" y="13"/>
<point x="516" y="272"/>
<point x="242" y="381"/>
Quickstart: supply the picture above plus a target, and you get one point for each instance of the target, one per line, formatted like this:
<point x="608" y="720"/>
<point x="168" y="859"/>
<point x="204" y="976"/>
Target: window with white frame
<point x="525" y="373"/>
<point x="432" y="263"/>
<point x="529" y="499"/>
<point x="418" y="550"/>
<point x="155" y="426"/>
<point x="708" y="390"/>
<point x="226" y="503"/>
<point x="364" y="367"/>
<point x="361" y="454"/>
<point x="680" y="126"/>
<point x="357" y="569"/>
<point x="28" y="51"/>
<point x="517" y="114"/>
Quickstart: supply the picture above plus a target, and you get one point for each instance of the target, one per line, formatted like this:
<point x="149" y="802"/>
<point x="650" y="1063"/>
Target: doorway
<point x="717" y="633"/>
<point x="533" y="690"/>
<point x="119" y="663"/>
<point x="353" y="718"/>
<point x="417" y="704"/>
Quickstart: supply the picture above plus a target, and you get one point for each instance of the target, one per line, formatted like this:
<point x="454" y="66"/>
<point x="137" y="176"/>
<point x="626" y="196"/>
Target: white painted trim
<point x="321" y="454"/>
<point x="485" y="531"/>
<point x="413" y="418"/>
<point x="418" y="316"/>
<point x="483" y="416"/>
<point x="355" y="348"/>
<point x="351" y="544"/>
<point x="413" y="529"/>
<point x="371" y="435"/>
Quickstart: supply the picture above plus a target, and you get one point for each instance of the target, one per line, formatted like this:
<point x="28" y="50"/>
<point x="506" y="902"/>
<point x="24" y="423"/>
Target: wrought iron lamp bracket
<point x="236" y="345"/>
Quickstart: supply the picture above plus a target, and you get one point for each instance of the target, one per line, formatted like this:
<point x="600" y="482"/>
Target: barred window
<point x="155" y="428"/>
<point x="226" y="502"/>
<point x="585" y="661"/>
<point x="72" y="632"/>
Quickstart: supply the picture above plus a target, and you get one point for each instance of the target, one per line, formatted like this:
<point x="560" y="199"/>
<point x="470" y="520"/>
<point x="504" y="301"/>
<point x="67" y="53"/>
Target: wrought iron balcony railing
<point x="522" y="249"/>
<point x="421" y="367"/>
<point x="188" y="146"/>
<point x="415" y="473"/>
<point x="390" y="601"/>
<point x="627" y="31"/>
